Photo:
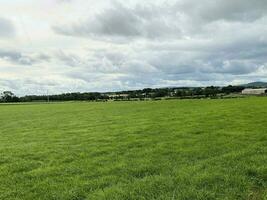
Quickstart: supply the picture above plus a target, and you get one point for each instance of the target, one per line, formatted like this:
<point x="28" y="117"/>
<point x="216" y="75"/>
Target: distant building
<point x="118" y="96"/>
<point x="250" y="91"/>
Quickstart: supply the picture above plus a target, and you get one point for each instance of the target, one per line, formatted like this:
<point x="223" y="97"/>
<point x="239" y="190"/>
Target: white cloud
<point x="103" y="45"/>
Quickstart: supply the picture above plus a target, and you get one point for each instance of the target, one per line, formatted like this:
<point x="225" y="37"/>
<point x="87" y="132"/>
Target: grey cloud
<point x="8" y="84"/>
<point x="114" y="22"/>
<point x="15" y="57"/>
<point x="221" y="60"/>
<point x="167" y="21"/>
<point x="43" y="57"/>
<point x="22" y="58"/>
<point x="7" y="28"/>
<point x="68" y="59"/>
<point x="121" y="21"/>
<point x="236" y="67"/>
<point x="236" y="10"/>
<point x="184" y="43"/>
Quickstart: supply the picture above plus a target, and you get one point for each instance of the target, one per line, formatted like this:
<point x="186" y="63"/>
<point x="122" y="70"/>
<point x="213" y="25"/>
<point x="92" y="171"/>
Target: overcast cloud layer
<point x="60" y="46"/>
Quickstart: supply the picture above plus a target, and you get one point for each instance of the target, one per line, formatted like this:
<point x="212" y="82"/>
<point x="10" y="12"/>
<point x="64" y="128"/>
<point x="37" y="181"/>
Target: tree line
<point x="181" y="92"/>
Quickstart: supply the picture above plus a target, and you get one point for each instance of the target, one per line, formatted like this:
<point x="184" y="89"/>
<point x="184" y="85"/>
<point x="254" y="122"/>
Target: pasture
<point x="154" y="150"/>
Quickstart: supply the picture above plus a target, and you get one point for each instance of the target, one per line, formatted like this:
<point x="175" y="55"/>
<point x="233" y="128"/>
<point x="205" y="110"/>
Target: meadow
<point x="153" y="150"/>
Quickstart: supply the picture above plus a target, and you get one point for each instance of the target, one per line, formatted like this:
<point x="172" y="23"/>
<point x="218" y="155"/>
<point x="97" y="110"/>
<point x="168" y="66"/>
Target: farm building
<point x="259" y="91"/>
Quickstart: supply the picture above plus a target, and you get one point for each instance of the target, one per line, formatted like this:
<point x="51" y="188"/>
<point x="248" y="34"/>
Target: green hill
<point x="256" y="84"/>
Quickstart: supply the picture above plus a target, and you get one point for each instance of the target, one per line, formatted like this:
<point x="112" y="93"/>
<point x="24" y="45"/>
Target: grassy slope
<point x="191" y="149"/>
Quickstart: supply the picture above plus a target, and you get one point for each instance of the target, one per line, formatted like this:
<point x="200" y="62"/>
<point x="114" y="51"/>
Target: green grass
<point x="161" y="150"/>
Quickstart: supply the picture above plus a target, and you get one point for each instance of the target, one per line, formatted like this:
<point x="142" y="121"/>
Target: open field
<point x="187" y="149"/>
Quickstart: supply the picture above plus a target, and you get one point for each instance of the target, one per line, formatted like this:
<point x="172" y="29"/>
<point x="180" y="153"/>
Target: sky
<point x="59" y="46"/>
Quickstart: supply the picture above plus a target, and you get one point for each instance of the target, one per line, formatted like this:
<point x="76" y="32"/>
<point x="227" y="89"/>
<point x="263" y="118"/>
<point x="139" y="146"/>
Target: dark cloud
<point x="7" y="29"/>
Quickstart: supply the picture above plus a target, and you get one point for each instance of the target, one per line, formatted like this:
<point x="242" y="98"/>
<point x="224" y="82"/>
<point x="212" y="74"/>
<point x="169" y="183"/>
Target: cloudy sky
<point x="109" y="45"/>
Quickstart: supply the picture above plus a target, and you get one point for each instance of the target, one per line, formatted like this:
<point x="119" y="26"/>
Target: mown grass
<point x="164" y="150"/>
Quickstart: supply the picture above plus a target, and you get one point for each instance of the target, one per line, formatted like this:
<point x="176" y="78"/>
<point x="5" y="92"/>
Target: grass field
<point x="187" y="149"/>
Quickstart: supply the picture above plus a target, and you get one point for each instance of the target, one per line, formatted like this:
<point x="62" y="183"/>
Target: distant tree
<point x="197" y="91"/>
<point x="211" y="91"/>
<point x="232" y="89"/>
<point x="179" y="93"/>
<point x="8" y="96"/>
<point x="160" y="92"/>
<point x="147" y="90"/>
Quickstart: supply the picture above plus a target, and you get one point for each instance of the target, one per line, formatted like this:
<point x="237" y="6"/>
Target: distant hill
<point x="255" y="85"/>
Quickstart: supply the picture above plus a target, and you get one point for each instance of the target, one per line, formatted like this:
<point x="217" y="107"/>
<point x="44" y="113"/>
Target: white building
<point x="120" y="96"/>
<point x="251" y="91"/>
